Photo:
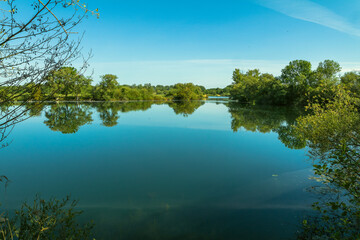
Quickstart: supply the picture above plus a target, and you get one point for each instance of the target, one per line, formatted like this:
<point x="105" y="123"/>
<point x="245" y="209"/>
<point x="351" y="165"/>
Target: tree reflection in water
<point x="67" y="118"/>
<point x="34" y="109"/>
<point x="185" y="108"/>
<point x="338" y="213"/>
<point x="108" y="113"/>
<point x="267" y="119"/>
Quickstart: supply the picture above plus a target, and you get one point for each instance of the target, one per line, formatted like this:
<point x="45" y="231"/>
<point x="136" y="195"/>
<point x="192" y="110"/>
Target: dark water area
<point x="143" y="170"/>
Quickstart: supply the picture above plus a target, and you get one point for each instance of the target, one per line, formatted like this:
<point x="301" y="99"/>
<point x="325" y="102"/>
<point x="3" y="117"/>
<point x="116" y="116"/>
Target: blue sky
<point x="165" y="42"/>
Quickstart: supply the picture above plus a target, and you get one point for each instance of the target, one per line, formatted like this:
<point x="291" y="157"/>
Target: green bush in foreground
<point x="332" y="132"/>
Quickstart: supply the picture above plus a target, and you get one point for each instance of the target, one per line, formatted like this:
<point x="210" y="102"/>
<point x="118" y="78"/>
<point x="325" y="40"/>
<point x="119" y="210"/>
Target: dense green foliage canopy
<point x="297" y="84"/>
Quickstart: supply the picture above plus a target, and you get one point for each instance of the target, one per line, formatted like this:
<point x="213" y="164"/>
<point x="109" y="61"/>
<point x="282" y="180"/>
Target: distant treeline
<point x="296" y="85"/>
<point x="66" y="84"/>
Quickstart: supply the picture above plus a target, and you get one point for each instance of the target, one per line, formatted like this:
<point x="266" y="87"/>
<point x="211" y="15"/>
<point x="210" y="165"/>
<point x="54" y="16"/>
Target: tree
<point x="106" y="88"/>
<point x="323" y="80"/>
<point x="328" y="69"/>
<point x="186" y="92"/>
<point x="67" y="81"/>
<point x="33" y="43"/>
<point x="297" y="77"/>
<point x="351" y="80"/>
<point x="62" y="81"/>
<point x="245" y="86"/>
<point x="237" y="76"/>
<point x="83" y="87"/>
<point x="271" y="91"/>
<point x="109" y="81"/>
<point x="296" y="73"/>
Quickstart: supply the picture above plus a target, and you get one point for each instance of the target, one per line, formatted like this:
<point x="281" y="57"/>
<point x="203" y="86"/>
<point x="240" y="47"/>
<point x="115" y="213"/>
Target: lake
<point x="143" y="170"/>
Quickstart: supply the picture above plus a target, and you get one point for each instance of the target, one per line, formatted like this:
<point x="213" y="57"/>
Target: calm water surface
<point x="203" y="170"/>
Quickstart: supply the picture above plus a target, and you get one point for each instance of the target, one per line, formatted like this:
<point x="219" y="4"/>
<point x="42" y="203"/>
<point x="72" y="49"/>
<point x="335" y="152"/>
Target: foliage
<point x="186" y="92"/>
<point x="105" y="89"/>
<point x="332" y="132"/>
<point x="352" y="81"/>
<point x="36" y="39"/>
<point x="52" y="219"/>
<point x="252" y="86"/>
<point x="67" y="81"/>
<point x="218" y="91"/>
<point x="296" y="85"/>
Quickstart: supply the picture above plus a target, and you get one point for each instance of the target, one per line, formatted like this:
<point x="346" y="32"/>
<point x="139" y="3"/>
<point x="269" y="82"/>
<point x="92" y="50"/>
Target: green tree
<point x="109" y="81"/>
<point x="296" y="73"/>
<point x="352" y="81"/>
<point x="271" y="91"/>
<point x="328" y="69"/>
<point x="245" y="86"/>
<point x="237" y="76"/>
<point x="82" y="87"/>
<point x="106" y="88"/>
<point x="186" y="92"/>
<point x="323" y="81"/>
<point x="297" y="77"/>
<point x="67" y="81"/>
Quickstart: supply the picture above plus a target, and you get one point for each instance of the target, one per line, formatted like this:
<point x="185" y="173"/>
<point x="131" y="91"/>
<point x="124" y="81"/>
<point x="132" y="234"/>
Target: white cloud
<point x="350" y="66"/>
<point x="311" y="12"/>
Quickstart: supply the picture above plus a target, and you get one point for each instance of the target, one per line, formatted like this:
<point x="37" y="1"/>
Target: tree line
<point x="67" y="84"/>
<point x="297" y="85"/>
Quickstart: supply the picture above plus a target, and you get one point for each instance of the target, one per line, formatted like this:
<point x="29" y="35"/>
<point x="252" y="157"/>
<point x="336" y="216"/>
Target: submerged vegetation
<point x="45" y="219"/>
